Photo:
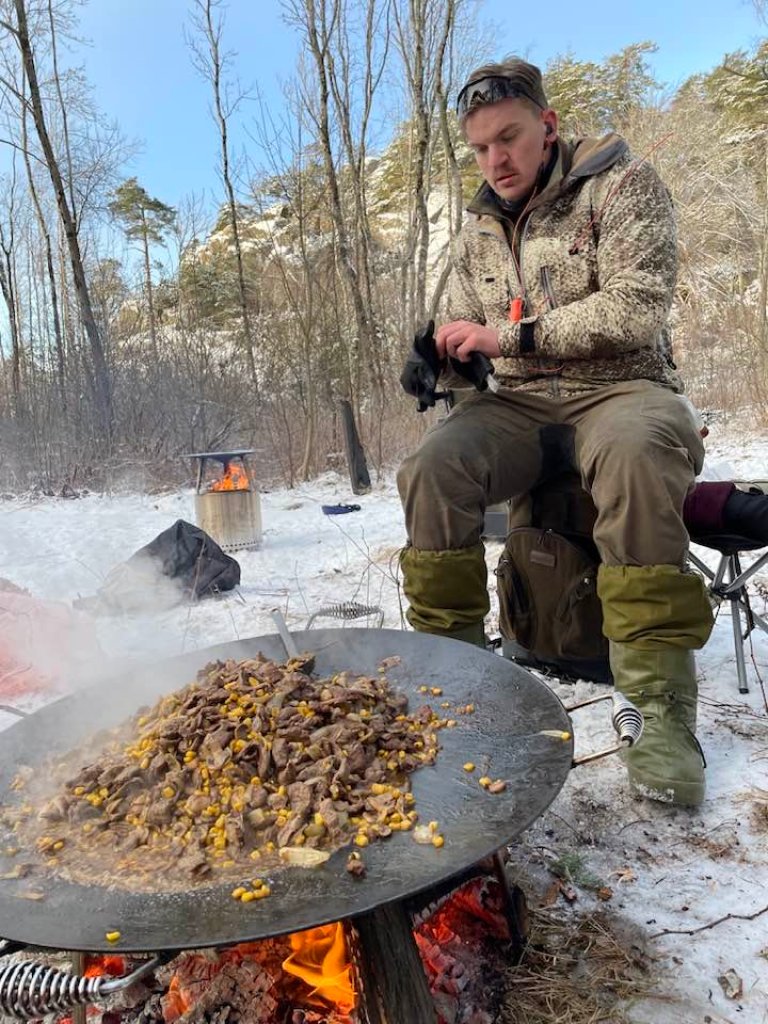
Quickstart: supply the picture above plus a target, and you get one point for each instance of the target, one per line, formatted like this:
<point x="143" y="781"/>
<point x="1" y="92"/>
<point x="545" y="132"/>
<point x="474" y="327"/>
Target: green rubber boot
<point x="447" y="592"/>
<point x="472" y="634"/>
<point x="667" y="764"/>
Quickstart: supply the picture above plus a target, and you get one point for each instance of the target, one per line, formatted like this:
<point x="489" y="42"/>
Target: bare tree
<point x="426" y="39"/>
<point x="49" y="257"/>
<point x="100" y="374"/>
<point x="8" y="283"/>
<point x="326" y="30"/>
<point x="211" y="61"/>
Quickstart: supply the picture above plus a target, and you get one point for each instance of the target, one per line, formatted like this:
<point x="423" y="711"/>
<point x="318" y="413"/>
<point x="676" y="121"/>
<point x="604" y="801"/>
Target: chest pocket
<point x="553" y="276"/>
<point x="495" y="278"/>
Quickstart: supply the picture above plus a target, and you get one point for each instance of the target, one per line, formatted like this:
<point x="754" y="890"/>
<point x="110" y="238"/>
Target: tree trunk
<point x="213" y="34"/>
<point x="58" y="340"/>
<point x="9" y="294"/>
<point x="101" y="383"/>
<point x="148" y="282"/>
<point x="318" y="35"/>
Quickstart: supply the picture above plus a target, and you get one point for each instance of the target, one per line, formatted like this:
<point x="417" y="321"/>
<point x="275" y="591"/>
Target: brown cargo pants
<point x="634" y="443"/>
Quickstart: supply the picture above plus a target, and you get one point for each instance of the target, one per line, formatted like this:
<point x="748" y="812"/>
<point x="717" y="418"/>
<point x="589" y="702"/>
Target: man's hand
<point x="422" y="370"/>
<point x="460" y="338"/>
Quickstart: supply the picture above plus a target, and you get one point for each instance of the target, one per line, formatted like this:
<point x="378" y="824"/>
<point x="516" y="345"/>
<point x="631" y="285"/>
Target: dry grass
<point x="574" y="972"/>
<point x="757" y="800"/>
<point x="760" y="815"/>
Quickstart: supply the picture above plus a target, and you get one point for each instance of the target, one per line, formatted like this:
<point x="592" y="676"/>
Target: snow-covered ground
<point x="668" y="870"/>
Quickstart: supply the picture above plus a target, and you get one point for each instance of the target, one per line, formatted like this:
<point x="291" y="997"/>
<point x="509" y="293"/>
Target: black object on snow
<point x="193" y="558"/>
<point x="339" y="510"/>
<point x="181" y="563"/>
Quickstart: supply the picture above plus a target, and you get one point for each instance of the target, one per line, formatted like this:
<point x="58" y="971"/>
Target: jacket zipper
<point x="521" y="273"/>
<point x="546" y="286"/>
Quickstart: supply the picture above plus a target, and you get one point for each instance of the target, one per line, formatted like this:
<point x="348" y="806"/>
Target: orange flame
<point x="320" y="959"/>
<point x="234" y="479"/>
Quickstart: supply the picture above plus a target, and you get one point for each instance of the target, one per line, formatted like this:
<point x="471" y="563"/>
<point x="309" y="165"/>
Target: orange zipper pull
<point x="515" y="310"/>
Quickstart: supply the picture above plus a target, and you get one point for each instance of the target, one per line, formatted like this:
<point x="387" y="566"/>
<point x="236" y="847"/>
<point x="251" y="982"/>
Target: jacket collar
<point x="577" y="161"/>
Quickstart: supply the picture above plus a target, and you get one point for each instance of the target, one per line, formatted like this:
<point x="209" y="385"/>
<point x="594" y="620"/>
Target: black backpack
<point x="549" y="613"/>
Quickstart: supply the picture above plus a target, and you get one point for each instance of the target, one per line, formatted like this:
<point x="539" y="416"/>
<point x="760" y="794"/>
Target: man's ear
<point x="549" y="118"/>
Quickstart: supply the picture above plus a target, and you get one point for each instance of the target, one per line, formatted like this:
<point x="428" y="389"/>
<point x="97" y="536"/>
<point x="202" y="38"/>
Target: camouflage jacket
<point x="597" y="257"/>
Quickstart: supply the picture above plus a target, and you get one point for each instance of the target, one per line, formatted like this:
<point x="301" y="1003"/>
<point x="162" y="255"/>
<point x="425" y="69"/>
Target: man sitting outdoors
<point x="563" y="275"/>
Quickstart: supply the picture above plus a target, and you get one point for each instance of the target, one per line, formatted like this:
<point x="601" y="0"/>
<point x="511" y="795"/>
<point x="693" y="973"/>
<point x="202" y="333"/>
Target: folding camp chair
<point x="728" y="582"/>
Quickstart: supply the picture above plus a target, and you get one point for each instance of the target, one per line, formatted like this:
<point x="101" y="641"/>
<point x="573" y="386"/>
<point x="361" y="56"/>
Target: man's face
<point x="508" y="140"/>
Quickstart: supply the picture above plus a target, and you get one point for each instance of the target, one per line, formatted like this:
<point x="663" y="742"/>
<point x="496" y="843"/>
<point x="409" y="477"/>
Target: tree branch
<point x="712" y="924"/>
<point x="26" y="152"/>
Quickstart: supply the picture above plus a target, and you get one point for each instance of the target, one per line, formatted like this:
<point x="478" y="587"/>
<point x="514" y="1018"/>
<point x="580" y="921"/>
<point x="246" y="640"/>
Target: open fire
<point x="312" y="977"/>
<point x="233" y="478"/>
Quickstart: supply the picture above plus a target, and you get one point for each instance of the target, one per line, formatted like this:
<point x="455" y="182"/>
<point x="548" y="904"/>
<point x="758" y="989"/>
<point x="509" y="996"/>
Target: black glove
<point x="476" y="370"/>
<point x="422" y="370"/>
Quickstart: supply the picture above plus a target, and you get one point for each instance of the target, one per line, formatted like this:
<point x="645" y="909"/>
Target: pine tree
<point x="148" y="220"/>
<point x="738" y="88"/>
<point x="593" y="98"/>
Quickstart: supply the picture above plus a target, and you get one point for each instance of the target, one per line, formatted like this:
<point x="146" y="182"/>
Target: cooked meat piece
<point x="253" y="757"/>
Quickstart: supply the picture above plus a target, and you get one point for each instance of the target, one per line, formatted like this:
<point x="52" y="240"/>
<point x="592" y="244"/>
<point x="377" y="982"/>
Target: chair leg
<point x="738" y="643"/>
<point x="734" y="569"/>
<point x="728" y="583"/>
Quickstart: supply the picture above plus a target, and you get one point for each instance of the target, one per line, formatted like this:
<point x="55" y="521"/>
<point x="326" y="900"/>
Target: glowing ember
<point x="310" y="976"/>
<point x="320" y="959"/>
<point x="113" y="966"/>
<point x="258" y="980"/>
<point x="234" y="479"/>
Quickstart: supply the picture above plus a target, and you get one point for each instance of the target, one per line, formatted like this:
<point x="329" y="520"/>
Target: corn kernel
<point x="469" y="767"/>
<point x="112" y="936"/>
<point x="248" y="897"/>
<point x="238" y="892"/>
<point x="438" y="841"/>
<point x="361" y="839"/>
<point x="168" y="792"/>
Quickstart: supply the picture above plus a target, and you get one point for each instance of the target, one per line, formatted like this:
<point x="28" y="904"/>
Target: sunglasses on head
<point x="490" y="90"/>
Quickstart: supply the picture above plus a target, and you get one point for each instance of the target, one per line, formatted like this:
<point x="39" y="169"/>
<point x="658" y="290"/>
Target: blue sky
<point x="140" y="67"/>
